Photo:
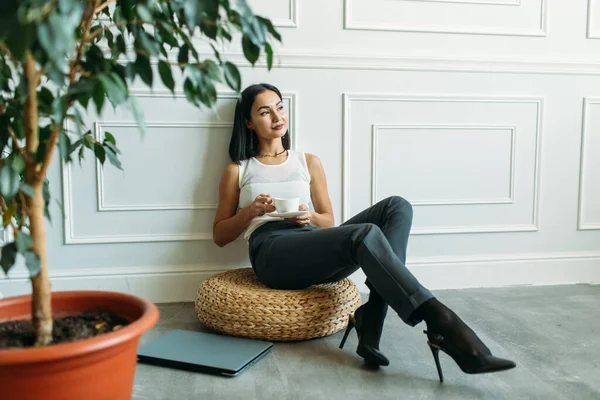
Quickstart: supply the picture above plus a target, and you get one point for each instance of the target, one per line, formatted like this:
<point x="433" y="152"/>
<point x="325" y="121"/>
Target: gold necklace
<point x="267" y="155"/>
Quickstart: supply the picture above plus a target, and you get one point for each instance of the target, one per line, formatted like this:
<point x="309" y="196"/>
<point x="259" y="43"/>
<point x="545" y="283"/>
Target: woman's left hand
<point x="304" y="219"/>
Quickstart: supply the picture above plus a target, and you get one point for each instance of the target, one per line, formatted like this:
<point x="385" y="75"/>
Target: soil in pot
<point x="66" y="329"/>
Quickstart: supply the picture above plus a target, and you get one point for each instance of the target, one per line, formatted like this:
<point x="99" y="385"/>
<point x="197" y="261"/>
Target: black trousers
<point x="286" y="256"/>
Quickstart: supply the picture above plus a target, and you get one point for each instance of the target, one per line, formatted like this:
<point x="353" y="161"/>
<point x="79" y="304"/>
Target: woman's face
<point x="268" y="117"/>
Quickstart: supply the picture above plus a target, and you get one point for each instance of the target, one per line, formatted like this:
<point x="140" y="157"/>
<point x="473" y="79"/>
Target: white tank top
<point x="286" y="180"/>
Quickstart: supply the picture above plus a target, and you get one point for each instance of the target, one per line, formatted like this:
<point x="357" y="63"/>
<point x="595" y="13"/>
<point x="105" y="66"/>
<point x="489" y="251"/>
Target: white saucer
<point x="286" y="215"/>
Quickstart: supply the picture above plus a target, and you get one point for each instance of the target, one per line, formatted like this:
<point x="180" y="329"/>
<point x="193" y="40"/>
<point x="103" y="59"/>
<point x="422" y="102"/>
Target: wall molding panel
<point x="376" y="128"/>
<point x="486" y="2"/>
<point x="349" y="100"/>
<point x="100" y="185"/>
<point x="489" y="15"/>
<point x="584" y="174"/>
<point x="593" y="13"/>
<point x="292" y="20"/>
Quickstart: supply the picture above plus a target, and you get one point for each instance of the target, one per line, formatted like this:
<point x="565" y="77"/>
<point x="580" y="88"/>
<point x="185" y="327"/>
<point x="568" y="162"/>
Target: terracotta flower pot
<point x="102" y="367"/>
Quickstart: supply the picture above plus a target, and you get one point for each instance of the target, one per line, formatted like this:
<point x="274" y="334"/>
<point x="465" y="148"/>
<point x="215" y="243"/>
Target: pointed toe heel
<point x="372" y="356"/>
<point x="469" y="363"/>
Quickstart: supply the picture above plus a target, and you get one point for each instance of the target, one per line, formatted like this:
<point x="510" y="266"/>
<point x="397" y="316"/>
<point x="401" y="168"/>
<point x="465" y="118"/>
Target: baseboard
<point x="179" y="283"/>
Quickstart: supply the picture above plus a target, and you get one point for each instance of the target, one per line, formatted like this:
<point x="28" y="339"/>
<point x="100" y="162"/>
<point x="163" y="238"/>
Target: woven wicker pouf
<point x="236" y="303"/>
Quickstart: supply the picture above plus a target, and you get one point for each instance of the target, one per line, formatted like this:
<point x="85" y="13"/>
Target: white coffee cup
<point x="286" y="205"/>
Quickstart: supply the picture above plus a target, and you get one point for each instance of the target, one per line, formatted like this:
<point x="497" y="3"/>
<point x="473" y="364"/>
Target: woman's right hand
<point x="262" y="204"/>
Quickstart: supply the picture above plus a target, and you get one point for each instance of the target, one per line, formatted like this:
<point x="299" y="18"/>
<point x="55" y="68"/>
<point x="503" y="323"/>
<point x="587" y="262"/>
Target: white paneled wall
<point x="485" y="114"/>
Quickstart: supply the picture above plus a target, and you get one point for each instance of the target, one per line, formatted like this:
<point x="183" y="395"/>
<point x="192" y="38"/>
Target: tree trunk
<point x="41" y="306"/>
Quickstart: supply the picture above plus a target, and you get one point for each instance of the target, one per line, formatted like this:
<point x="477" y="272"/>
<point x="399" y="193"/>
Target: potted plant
<point x="59" y="58"/>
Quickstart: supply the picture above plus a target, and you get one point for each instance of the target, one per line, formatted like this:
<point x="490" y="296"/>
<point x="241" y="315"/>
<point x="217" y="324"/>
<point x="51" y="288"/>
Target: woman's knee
<point x="403" y="204"/>
<point x="362" y="231"/>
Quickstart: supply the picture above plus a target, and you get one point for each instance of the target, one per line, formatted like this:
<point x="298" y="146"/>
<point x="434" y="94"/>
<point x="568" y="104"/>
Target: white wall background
<point x="485" y="114"/>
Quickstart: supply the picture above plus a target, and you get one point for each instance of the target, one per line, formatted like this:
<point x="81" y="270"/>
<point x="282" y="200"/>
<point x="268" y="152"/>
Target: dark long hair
<point x="244" y="142"/>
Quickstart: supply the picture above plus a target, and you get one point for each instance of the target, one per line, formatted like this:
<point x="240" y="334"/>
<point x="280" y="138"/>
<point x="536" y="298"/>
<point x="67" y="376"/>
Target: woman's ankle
<point x="435" y="314"/>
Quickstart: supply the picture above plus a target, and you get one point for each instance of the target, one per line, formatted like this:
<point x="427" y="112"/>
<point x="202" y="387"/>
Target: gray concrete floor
<point x="551" y="332"/>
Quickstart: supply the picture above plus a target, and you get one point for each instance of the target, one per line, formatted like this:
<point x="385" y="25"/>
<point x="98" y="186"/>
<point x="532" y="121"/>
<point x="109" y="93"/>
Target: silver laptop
<point x="203" y="352"/>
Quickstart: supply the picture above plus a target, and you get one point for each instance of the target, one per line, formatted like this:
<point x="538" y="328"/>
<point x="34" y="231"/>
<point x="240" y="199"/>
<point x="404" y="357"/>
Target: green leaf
<point x="184" y="55"/>
<point x="8" y="215"/>
<point x="108" y="136"/>
<point x="89" y="142"/>
<point x="22" y="89"/>
<point x="146" y="42"/>
<point x="251" y="51"/>
<point x="190" y="45"/>
<point x="120" y="45"/>
<point x="83" y="86"/>
<point x="127" y="9"/>
<point x="232" y="76"/>
<point x="190" y="92"/>
<point x="269" y="25"/>
<point x="28" y="190"/>
<point x="217" y="54"/>
<point x="46" y="195"/>
<point x="95" y="29"/>
<point x="9" y="255"/>
<point x="99" y="96"/>
<point x="9" y="182"/>
<point x="32" y="261"/>
<point x="166" y="75"/>
<point x="137" y="114"/>
<point x="210" y="29"/>
<point x="19" y="37"/>
<point x="112" y="157"/>
<point x="84" y="100"/>
<point x="212" y="70"/>
<point x="190" y="9"/>
<point x="81" y="154"/>
<point x="64" y="145"/>
<point x="18" y="127"/>
<point x="56" y="75"/>
<point x="269" y="52"/>
<point x="18" y="164"/>
<point x="114" y="87"/>
<point x="79" y="124"/>
<point x="143" y="69"/>
<point x="144" y="13"/>
<point x="100" y="153"/>
<point x="130" y="71"/>
<point x="45" y="99"/>
<point x="119" y="17"/>
<point x="110" y="38"/>
<point x="167" y="37"/>
<point x="111" y="146"/>
<point x="24" y="242"/>
<point x="208" y="92"/>
<point x="59" y="109"/>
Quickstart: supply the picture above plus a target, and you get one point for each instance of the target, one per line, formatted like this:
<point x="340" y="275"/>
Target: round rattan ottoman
<point x="236" y="303"/>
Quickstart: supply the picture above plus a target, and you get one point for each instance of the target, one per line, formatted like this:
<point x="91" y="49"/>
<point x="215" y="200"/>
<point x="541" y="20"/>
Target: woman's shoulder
<point x="231" y="169"/>
<point x="312" y="160"/>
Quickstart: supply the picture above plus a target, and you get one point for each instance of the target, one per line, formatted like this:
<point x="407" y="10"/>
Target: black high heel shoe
<point x="369" y="351"/>
<point x="472" y="363"/>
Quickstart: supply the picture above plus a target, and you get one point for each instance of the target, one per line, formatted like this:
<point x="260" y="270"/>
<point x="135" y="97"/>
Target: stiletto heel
<point x="369" y="351"/>
<point x="436" y="356"/>
<point x="473" y="362"/>
<point x="351" y="324"/>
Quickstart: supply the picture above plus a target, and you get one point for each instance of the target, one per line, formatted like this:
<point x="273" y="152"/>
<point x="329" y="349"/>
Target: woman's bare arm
<point x="323" y="215"/>
<point x="228" y="225"/>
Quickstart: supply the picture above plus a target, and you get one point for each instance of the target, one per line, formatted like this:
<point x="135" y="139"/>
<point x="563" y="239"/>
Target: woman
<point x="298" y="252"/>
